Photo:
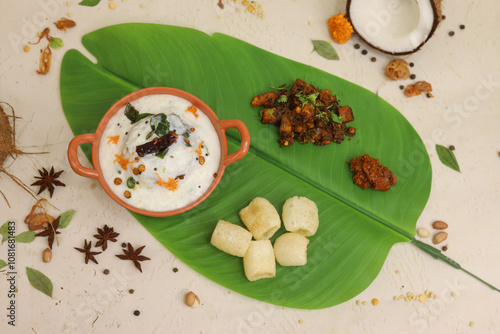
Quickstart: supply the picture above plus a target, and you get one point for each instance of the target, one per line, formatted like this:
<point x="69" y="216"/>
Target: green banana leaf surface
<point x="357" y="227"/>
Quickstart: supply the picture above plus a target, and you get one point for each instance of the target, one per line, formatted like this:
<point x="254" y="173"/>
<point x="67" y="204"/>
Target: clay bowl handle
<point x="73" y="155"/>
<point x="245" y="139"/>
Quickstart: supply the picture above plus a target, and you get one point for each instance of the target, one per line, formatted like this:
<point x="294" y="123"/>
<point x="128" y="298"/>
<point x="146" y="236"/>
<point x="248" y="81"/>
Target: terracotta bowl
<point x="95" y="139"/>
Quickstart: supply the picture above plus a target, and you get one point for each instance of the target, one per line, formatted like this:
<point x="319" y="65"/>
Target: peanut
<point x="439" y="237"/>
<point x="424" y="233"/>
<point x="439" y="225"/>
<point x="192" y="300"/>
<point x="47" y="255"/>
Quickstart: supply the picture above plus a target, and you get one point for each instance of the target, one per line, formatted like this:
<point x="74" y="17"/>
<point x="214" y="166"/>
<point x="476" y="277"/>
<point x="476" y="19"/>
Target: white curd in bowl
<point x="151" y="182"/>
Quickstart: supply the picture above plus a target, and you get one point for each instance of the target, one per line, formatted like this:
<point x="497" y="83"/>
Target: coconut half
<point x="396" y="27"/>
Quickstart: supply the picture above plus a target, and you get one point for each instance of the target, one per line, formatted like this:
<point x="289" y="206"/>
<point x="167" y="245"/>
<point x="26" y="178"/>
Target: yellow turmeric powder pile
<point x="340" y="28"/>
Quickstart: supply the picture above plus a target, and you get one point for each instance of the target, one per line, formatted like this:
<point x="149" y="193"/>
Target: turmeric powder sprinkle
<point x="122" y="161"/>
<point x="113" y="139"/>
<point x="340" y="28"/>
<point x="171" y="184"/>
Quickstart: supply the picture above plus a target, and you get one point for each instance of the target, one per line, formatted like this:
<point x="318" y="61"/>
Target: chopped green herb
<point x="336" y="118"/>
<point x="56" y="43"/>
<point x="159" y="125"/>
<point x="133" y="114"/>
<point x="162" y="153"/>
<point x="280" y="88"/>
<point x="311" y="98"/>
<point x="282" y="99"/>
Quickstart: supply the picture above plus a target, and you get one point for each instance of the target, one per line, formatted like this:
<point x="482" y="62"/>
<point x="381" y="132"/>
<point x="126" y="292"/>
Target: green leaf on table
<point x="56" y="43"/>
<point x="357" y="227"/>
<point x="4" y="231"/>
<point x="39" y="281"/>
<point x="25" y="237"/>
<point x="447" y="157"/>
<point x="3" y="264"/>
<point x="65" y="218"/>
<point x="325" y="50"/>
<point x="89" y="3"/>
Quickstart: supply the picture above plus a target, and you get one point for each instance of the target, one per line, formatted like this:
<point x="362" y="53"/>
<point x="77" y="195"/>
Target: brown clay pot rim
<point x="218" y="125"/>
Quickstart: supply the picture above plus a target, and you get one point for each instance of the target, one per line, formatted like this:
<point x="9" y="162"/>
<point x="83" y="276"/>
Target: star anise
<point x="48" y="180"/>
<point x="134" y="256"/>
<point x="88" y="254"/>
<point x="50" y="231"/>
<point x="105" y="234"/>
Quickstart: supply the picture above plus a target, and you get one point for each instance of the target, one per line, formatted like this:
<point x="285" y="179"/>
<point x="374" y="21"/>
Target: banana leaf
<point x="357" y="227"/>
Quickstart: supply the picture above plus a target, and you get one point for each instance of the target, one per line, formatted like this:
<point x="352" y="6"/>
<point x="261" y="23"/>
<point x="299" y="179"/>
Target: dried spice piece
<point x="105" y="234"/>
<point x="48" y="180"/>
<point x="157" y="145"/>
<point x="45" y="61"/>
<point x="340" y="28"/>
<point x="88" y="254"/>
<point x="418" y="88"/>
<point x="220" y="4"/>
<point x="38" y="220"/>
<point x="50" y="232"/>
<point x="397" y="69"/>
<point x="134" y="256"/>
<point x="65" y="23"/>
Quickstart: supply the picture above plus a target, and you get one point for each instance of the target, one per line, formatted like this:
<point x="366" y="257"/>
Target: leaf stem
<point x="436" y="253"/>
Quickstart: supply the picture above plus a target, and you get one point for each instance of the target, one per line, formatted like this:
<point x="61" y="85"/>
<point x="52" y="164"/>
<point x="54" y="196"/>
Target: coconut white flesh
<point x="393" y="26"/>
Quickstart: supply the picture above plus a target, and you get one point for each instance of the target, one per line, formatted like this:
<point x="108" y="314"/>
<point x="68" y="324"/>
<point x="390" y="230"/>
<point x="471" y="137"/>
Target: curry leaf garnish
<point x="65" y="218"/>
<point x="2" y="264"/>
<point x="25" y="237"/>
<point x="56" y="43"/>
<point x="162" y="153"/>
<point x="39" y="281"/>
<point x="133" y="114"/>
<point x="336" y="118"/>
<point x="325" y="50"/>
<point x="280" y="88"/>
<point x="311" y="98"/>
<point x="447" y="157"/>
<point x="89" y="3"/>
<point x="159" y="125"/>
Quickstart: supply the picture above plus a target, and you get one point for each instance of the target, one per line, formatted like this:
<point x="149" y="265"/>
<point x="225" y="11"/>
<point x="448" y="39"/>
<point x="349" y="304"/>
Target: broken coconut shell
<point x="394" y="27"/>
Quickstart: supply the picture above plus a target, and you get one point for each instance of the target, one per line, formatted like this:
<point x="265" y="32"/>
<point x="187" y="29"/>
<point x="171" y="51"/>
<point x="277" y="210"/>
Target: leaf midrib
<point x="269" y="159"/>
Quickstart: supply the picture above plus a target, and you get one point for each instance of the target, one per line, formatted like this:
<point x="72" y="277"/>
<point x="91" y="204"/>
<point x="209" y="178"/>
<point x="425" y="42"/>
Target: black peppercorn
<point x="357" y="46"/>
<point x="413" y="76"/>
<point x="452" y="148"/>
<point x="451" y="33"/>
<point x="137" y="313"/>
<point x="401" y="87"/>
<point x="105" y="271"/>
<point x="411" y="64"/>
<point x="364" y="52"/>
<point x="462" y="27"/>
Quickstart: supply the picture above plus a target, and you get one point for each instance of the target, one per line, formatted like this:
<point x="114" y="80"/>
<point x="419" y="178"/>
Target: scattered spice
<point x="112" y="5"/>
<point x="364" y="52"/>
<point x="48" y="180"/>
<point x="131" y="291"/>
<point x="423" y="233"/>
<point x="417" y="88"/>
<point x="134" y="256"/>
<point x="124" y="245"/>
<point x="401" y="87"/>
<point x="451" y="33"/>
<point x="220" y="4"/>
<point x="141" y="168"/>
<point x="412" y="76"/>
<point x="105" y="271"/>
<point x="375" y="301"/>
<point x="50" y="231"/>
<point x="397" y="69"/>
<point x="411" y="64"/>
<point x="451" y="148"/>
<point x="64" y="24"/>
<point x="26" y="48"/>
<point x="127" y="194"/>
<point x="368" y="173"/>
<point x="117" y="181"/>
<point x="175" y="270"/>
<point x="137" y="313"/>
<point x="340" y="28"/>
<point x="445" y="248"/>
<point x="410" y="296"/>
<point x="373" y="59"/>
<point x="105" y="234"/>
<point x="439" y="225"/>
<point x="38" y="220"/>
<point x="357" y="46"/>
<point x="89" y="255"/>
<point x="471" y="324"/>
<point x="462" y="26"/>
<point x="443" y="17"/>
